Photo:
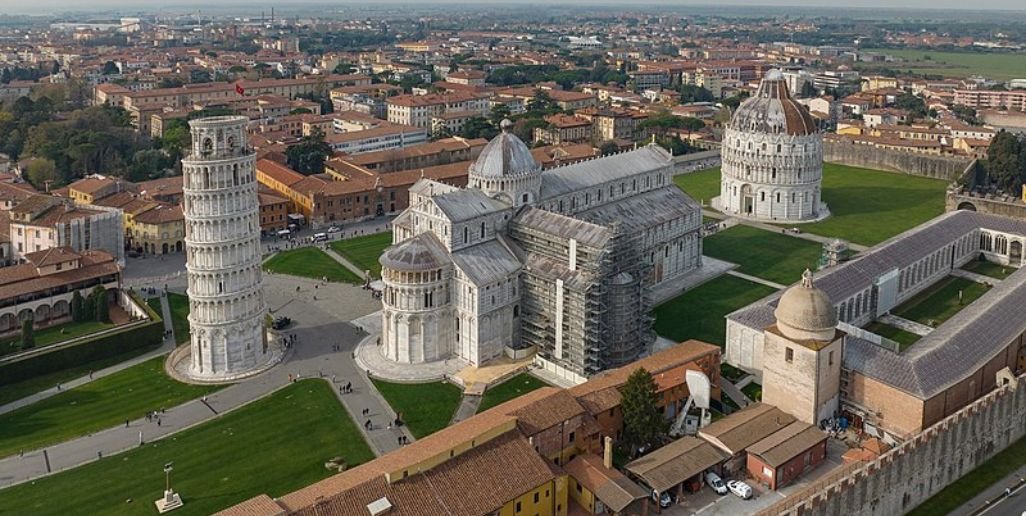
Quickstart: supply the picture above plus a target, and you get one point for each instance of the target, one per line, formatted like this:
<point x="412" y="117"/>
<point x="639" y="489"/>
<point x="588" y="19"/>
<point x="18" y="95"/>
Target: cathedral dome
<point x="773" y="110"/>
<point x="504" y="156"/>
<point x="421" y="253"/>
<point x="806" y="312"/>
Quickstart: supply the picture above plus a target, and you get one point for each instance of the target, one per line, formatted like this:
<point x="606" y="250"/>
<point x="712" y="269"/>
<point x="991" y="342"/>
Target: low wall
<point x="955" y="200"/>
<point x="948" y="168"/>
<point x="695" y="161"/>
<point x="912" y="472"/>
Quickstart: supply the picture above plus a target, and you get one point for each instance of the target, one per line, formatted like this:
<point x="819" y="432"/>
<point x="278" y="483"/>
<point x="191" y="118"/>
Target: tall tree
<point x="28" y="337"/>
<point x="308" y="156"/>
<point x="643" y="423"/>
<point x="76" y="306"/>
<point x="102" y="304"/>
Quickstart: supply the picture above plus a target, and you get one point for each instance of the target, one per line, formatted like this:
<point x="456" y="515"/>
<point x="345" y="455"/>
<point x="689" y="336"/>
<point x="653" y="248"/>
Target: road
<point x="1000" y="505"/>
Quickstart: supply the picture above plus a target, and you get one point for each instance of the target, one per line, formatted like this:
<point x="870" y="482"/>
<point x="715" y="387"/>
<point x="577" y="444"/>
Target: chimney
<point x="607" y="452"/>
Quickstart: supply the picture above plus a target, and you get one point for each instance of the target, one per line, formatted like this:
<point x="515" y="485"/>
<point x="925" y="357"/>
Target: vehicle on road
<point x="281" y="322"/>
<point x="715" y="482"/>
<point x="334" y="229"/>
<point x="320" y="237"/>
<point x="739" y="488"/>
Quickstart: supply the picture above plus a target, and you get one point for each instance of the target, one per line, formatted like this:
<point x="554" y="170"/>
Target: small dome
<point x="773" y="110"/>
<point x="420" y="253"/>
<point x="805" y="312"/>
<point x="504" y="156"/>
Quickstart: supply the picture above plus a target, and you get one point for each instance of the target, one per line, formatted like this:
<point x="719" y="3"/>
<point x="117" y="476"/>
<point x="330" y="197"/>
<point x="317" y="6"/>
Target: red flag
<point x="239" y="89"/>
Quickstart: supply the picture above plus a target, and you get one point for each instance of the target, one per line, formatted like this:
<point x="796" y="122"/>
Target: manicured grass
<point x="274" y="445"/>
<point x="731" y="373"/>
<point x="97" y="405"/>
<point x="425" y="407"/>
<point x="702" y="186"/>
<point x="179" y="306"/>
<point x="989" y="269"/>
<point x="753" y="391"/>
<point x="975" y="482"/>
<point x="938" y="303"/>
<point x="698" y="313"/>
<point x="902" y="337"/>
<point x="16" y="391"/>
<point x="870" y="206"/>
<point x="310" y="262"/>
<point x="771" y="256"/>
<point x="364" y="251"/>
<point x="53" y="335"/>
<point x="994" y="65"/>
<point x="516" y="386"/>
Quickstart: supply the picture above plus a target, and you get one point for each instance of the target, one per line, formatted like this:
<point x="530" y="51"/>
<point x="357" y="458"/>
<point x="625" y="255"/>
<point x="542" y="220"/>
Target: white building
<point x="772" y="158"/>
<point x="44" y="222"/>
<point x="222" y="239"/>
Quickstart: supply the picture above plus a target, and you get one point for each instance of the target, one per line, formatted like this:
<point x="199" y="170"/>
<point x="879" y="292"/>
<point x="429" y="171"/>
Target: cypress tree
<point x="28" y="338"/>
<point x="76" y="306"/>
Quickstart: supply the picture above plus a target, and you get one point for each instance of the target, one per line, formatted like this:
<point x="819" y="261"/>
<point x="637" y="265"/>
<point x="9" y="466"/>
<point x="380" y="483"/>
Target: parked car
<point x="715" y="482"/>
<point x="334" y="229"/>
<point x="665" y="499"/>
<point x="739" y="488"/>
<point x="281" y="322"/>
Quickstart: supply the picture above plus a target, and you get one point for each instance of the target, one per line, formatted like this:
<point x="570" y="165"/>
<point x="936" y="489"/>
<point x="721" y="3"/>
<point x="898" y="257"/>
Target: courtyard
<point x="902" y="337"/>
<point x="310" y="262"/>
<point x="364" y="251"/>
<point x="54" y="334"/>
<point x="274" y="445"/>
<point x="425" y="407"/>
<point x="97" y="405"/>
<point x="771" y="256"/>
<point x="514" y="387"/>
<point x="940" y="301"/>
<point x="991" y="269"/>
<point x="699" y="312"/>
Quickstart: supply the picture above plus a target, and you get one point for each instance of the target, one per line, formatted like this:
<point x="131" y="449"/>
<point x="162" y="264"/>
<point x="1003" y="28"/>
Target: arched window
<point x="466" y="235"/>
<point x="482" y="230"/>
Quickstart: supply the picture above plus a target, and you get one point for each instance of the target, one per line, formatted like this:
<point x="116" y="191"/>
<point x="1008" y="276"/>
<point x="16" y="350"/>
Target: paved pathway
<point x="345" y="263"/>
<point x="734" y="393"/>
<point x="756" y="279"/>
<point x="904" y="324"/>
<point x="468" y="407"/>
<point x="972" y="276"/>
<point x="999" y="504"/>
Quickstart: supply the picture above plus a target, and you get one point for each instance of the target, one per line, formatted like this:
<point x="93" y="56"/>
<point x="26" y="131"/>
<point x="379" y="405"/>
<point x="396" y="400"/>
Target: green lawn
<point x="425" y="407"/>
<point x="364" y="251"/>
<point x="994" y="65"/>
<point x="179" y="306"/>
<point x="731" y="373"/>
<point x="516" y="386"/>
<point x="97" y="405"/>
<point x="698" y="313"/>
<point x="964" y="489"/>
<point x="274" y="445"/>
<point x="902" y="337"/>
<point x="771" y="256"/>
<point x="753" y="391"/>
<point x="310" y="262"/>
<point x="702" y="186"/>
<point x="53" y="334"/>
<point x="938" y="303"/>
<point x="989" y="269"/>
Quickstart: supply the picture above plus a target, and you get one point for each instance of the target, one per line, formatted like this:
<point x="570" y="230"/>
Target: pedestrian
<point x="90" y="374"/>
<point x="99" y="454"/>
<point x="349" y="386"/>
<point x="126" y="423"/>
<point x="340" y="389"/>
<point x="58" y="387"/>
<point x="333" y="379"/>
<point x="158" y="421"/>
<point x="399" y="440"/>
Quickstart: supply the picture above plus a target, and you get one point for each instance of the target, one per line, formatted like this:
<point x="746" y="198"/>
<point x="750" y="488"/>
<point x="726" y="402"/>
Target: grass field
<point x="702" y="186"/>
<point x="364" y="251"/>
<point x="16" y="391"/>
<point x="698" y="313"/>
<point x="938" y="303"/>
<point x="310" y="262"/>
<point x="771" y="256"/>
<point x="989" y="269"/>
<point x="516" y="386"/>
<point x="274" y="445"/>
<point x="97" y="405"/>
<point x="179" y="306"/>
<point x="972" y="484"/>
<point x="753" y="391"/>
<point x="993" y="65"/>
<point x="425" y="407"/>
<point x="902" y="337"/>
<point x="53" y="335"/>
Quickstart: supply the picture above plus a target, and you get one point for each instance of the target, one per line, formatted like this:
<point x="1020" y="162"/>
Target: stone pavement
<point x="904" y="324"/>
<point x="345" y="263"/>
<point x="734" y="393"/>
<point x="369" y="359"/>
<point x="756" y="279"/>
<point x="468" y="407"/>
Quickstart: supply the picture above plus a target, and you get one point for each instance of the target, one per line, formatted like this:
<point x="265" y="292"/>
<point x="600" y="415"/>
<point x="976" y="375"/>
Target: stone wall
<point x="919" y="468"/>
<point x="695" y="161"/>
<point x="961" y="200"/>
<point x="938" y="167"/>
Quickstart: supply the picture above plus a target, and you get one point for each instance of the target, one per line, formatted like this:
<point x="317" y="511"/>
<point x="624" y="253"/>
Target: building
<point x="227" y="310"/>
<point x="1014" y="100"/>
<point x="613" y="123"/>
<point x="564" y="129"/>
<point x="379" y="137"/>
<point x="438" y="152"/>
<point x="516" y="260"/>
<point x="772" y="156"/>
<point x="42" y="222"/>
<point x="467" y="77"/>
<point x="883" y="388"/>
<point x="419" y="110"/>
<point x="41" y="288"/>
<point x="274" y="212"/>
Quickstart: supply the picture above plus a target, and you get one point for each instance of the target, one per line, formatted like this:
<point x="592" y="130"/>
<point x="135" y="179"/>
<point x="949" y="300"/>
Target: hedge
<point x="145" y="336"/>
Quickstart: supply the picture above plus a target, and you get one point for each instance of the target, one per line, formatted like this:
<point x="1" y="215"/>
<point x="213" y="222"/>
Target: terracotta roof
<point x="787" y="443"/>
<point x="160" y="214"/>
<point x="547" y="412"/>
<point x="163" y="186"/>
<point x="261" y="505"/>
<point x="18" y="280"/>
<point x="51" y="256"/>
<point x="742" y="429"/>
<point x="15" y="192"/>
<point x="612" y="487"/>
<point x="279" y="172"/>
<point x="675" y="463"/>
<point x="431" y="99"/>
<point x="91" y="185"/>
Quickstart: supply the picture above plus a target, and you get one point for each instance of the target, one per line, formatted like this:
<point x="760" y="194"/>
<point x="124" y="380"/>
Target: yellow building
<point x="160" y="229"/>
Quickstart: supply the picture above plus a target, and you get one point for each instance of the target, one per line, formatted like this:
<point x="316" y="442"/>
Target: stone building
<point x="222" y="242"/>
<point x="556" y="261"/>
<point x="772" y="158"/>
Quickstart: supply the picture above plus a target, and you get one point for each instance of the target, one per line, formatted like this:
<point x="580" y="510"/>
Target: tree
<point x="6" y="76"/>
<point x="692" y="124"/>
<point x="1006" y="161"/>
<point x="42" y="173"/>
<point x="499" y="113"/>
<point x="343" y="69"/>
<point x="479" y="127"/>
<point x="691" y="93"/>
<point x="643" y="423"/>
<point x="101" y="304"/>
<point x="540" y="103"/>
<point x="307" y="157"/>
<point x="28" y="337"/>
<point x="808" y="90"/>
<point x="608" y="147"/>
<point x="88" y="307"/>
<point x="524" y="128"/>
<point x="76" y="306"/>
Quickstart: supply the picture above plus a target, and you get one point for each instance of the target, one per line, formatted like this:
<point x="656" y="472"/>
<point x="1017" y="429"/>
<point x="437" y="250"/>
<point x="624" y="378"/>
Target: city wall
<point x="937" y="167"/>
<point x="919" y="468"/>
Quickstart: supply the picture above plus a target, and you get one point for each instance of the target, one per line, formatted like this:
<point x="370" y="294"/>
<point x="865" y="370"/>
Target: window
<point x="830" y="358"/>
<point x="536" y="497"/>
<point x="789" y="355"/>
<point x="572" y="435"/>
<point x="518" y="507"/>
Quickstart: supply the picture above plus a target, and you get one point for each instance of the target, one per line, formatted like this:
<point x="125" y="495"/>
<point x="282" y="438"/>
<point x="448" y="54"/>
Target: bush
<point x="28" y="338"/>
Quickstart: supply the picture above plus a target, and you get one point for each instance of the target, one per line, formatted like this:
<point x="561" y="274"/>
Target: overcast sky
<point x="36" y="6"/>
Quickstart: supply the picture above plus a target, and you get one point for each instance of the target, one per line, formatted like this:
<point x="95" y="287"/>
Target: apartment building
<point x="986" y="99"/>
<point x="563" y="128"/>
<point x="419" y="110"/>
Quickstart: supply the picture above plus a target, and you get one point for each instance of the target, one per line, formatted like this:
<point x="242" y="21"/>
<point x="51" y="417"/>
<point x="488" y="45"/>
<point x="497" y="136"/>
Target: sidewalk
<point x="345" y="263"/>
<point x="1013" y="505"/>
<point x="756" y="279"/>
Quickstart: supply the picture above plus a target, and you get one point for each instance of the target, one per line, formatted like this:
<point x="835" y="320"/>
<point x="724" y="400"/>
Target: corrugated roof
<point x="675" y="463"/>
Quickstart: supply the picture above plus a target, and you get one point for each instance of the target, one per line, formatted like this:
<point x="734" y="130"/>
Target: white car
<point x="715" y="482"/>
<point x="739" y="488"/>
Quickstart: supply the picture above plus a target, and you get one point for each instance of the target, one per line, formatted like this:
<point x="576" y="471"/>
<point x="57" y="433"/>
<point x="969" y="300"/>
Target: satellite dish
<point x="698" y="385"/>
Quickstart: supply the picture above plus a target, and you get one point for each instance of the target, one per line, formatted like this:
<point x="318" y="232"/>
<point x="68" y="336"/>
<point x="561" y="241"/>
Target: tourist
<point x="158" y="421"/>
<point x="126" y="423"/>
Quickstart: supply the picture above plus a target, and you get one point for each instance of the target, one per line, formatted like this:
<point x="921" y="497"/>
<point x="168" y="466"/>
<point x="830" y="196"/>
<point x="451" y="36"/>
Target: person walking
<point x="126" y="423"/>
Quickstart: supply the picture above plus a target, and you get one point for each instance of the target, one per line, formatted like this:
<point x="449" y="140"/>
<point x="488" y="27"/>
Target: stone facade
<point x="223" y="252"/>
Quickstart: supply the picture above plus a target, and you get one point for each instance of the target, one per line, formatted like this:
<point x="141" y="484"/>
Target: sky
<point x="42" y="6"/>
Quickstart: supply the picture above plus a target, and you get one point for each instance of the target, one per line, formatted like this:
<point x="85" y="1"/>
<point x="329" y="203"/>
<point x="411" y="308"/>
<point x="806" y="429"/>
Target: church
<point x="557" y="262"/>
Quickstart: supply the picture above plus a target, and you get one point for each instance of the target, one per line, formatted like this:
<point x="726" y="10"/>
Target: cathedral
<point x="556" y="262"/>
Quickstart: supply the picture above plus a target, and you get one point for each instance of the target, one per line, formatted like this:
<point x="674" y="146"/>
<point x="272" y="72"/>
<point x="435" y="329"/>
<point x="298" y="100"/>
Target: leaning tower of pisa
<point x="222" y="241"/>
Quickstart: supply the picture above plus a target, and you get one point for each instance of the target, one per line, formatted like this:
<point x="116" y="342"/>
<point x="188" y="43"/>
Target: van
<point x="320" y="237"/>
<point x="715" y="482"/>
<point x="284" y="233"/>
